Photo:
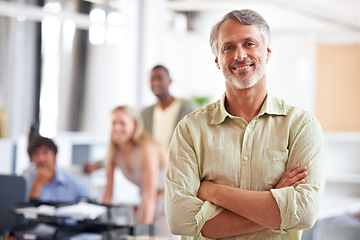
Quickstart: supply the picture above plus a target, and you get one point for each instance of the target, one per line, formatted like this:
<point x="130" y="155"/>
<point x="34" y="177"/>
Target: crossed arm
<point x="257" y="210"/>
<point x="229" y="211"/>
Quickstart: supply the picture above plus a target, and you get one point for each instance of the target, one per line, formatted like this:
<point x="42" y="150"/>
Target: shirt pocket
<point x="274" y="165"/>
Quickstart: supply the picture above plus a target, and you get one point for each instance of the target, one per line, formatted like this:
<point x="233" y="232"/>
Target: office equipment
<point x="82" y="220"/>
<point x="12" y="192"/>
<point x="39" y="231"/>
<point x="79" y="211"/>
<point x="78" y="149"/>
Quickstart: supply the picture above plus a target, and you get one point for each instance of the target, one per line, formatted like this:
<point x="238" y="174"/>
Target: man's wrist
<point x="215" y="191"/>
<point x="35" y="190"/>
<point x="219" y="194"/>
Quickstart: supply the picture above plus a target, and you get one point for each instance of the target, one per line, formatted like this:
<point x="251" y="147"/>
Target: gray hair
<point x="245" y="16"/>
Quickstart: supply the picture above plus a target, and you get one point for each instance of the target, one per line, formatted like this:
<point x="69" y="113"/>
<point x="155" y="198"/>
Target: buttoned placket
<point x="245" y="173"/>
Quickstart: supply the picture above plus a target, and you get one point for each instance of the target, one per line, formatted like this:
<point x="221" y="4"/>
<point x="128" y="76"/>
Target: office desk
<point x="55" y="226"/>
<point x="46" y="231"/>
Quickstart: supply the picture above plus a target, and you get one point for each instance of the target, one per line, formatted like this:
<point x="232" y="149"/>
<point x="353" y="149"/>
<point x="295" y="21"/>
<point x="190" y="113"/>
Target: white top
<point x="164" y="121"/>
<point x="134" y="175"/>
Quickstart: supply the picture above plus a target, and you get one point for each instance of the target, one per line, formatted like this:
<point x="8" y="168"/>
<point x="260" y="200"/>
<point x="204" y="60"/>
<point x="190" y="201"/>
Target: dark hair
<point x="39" y="141"/>
<point x="161" y="67"/>
<point x="245" y="16"/>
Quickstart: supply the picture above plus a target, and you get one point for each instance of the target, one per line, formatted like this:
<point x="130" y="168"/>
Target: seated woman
<point x="142" y="161"/>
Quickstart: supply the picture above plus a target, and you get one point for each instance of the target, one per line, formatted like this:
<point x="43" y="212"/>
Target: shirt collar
<point x="60" y="178"/>
<point x="220" y="112"/>
<point x="271" y="106"/>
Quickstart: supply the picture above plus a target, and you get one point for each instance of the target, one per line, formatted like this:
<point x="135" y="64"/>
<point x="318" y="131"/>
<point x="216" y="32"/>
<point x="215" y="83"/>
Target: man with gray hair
<point x="248" y="166"/>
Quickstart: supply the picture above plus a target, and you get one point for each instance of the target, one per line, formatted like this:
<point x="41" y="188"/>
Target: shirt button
<point x="246" y="158"/>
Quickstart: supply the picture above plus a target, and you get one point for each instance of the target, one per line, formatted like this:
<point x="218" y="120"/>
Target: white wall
<point x="112" y="77"/>
<point x="292" y="70"/>
<point x="108" y="85"/>
<point x="18" y="71"/>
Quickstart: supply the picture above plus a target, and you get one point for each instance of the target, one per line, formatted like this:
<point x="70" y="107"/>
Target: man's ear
<point x="217" y="63"/>
<point x="268" y="54"/>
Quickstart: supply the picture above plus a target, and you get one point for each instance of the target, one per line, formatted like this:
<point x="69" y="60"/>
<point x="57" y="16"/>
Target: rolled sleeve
<point x="207" y="211"/>
<point x="299" y="206"/>
<point x="289" y="212"/>
<point x="186" y="214"/>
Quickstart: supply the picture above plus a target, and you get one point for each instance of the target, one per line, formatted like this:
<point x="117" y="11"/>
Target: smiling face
<point x="242" y="54"/>
<point x="123" y="127"/>
<point x="160" y="82"/>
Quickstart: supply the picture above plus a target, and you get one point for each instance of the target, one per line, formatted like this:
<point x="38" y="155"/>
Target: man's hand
<point x="43" y="175"/>
<point x="293" y="177"/>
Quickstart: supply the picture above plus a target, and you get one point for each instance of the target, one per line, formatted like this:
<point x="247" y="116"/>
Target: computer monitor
<point x="12" y="192"/>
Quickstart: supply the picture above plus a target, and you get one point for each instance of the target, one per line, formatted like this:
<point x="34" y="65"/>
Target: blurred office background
<point x="65" y="64"/>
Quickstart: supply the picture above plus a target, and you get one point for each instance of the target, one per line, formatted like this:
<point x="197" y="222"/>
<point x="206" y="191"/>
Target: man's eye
<point x="250" y="44"/>
<point x="227" y="48"/>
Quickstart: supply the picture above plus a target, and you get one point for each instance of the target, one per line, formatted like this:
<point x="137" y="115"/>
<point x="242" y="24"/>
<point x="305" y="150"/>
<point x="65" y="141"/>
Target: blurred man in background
<point x="47" y="183"/>
<point x="161" y="118"/>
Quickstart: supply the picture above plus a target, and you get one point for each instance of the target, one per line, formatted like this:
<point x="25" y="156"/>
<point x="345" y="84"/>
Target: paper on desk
<point x="81" y="211"/>
<point x="33" y="212"/>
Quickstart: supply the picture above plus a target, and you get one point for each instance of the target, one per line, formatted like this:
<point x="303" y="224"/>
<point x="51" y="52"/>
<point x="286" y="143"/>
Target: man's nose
<point x="156" y="81"/>
<point x="240" y="54"/>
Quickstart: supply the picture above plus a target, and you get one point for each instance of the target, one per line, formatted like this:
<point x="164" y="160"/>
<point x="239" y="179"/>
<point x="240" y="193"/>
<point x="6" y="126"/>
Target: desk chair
<point x="12" y="192"/>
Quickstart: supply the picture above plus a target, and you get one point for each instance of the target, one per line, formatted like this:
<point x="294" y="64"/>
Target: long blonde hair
<point x="140" y="136"/>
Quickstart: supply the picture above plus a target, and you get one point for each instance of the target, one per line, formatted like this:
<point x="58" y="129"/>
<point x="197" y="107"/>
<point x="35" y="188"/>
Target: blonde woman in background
<point x="142" y="161"/>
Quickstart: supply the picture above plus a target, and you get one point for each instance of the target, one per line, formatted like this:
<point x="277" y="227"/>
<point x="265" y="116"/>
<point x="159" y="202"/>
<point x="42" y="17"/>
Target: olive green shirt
<point x="210" y="144"/>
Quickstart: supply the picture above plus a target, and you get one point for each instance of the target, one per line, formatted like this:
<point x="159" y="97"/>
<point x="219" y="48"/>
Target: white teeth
<point x="239" y="68"/>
